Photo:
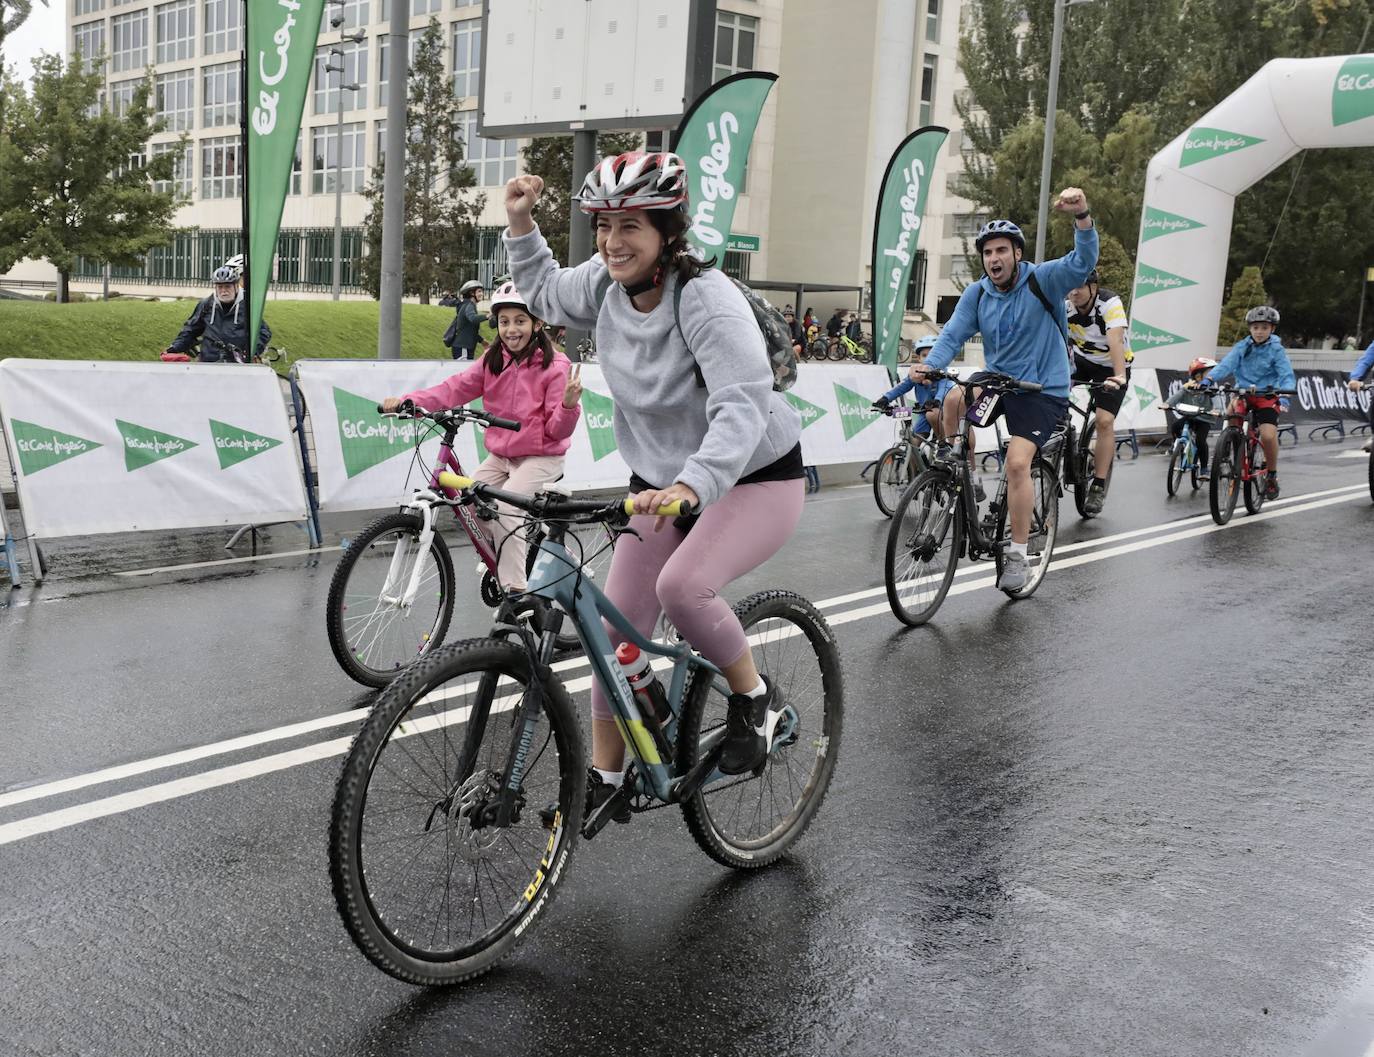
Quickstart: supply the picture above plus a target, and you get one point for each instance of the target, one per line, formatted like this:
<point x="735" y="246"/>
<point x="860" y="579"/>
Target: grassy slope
<point x="139" y="330"/>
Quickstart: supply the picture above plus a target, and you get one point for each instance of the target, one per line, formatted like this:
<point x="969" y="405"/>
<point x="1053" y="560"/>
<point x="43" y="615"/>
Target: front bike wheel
<point x="818" y="349"/>
<point x="1371" y="476"/>
<point x="431" y="887"/>
<point x="836" y="351"/>
<point x="1176" y="469"/>
<point x="372" y="632"/>
<point x="892" y="477"/>
<point x="1225" y="488"/>
<point x="746" y="821"/>
<point x="1256" y="483"/>
<point x="903" y="351"/>
<point x="1044" y="530"/>
<point x="1087" y="470"/>
<point x="923" y="546"/>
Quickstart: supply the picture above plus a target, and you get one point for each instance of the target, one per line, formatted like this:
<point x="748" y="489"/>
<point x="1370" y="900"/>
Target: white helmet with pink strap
<point x="634" y="180"/>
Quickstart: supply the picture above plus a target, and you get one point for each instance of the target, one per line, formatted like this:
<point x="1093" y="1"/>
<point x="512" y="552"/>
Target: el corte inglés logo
<point x="41" y="447"/>
<point x="810" y="413"/>
<point x="1152" y="280"/>
<point x="1159" y="222"/>
<point x="1352" y="96"/>
<point x="233" y="444"/>
<point x="1144" y="336"/>
<point x="855" y="412"/>
<point x="599" y="413"/>
<point x="366" y="437"/>
<point x="1202" y="144"/>
<point x="144" y="446"/>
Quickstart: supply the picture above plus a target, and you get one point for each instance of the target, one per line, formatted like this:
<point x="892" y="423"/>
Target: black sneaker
<point x="598" y="792"/>
<point x="746" y="727"/>
<point x="1097" y="495"/>
<point x="1271" y="486"/>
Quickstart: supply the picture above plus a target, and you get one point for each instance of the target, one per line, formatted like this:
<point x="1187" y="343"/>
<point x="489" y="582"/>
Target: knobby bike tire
<point x="891" y="477"/>
<point x="342" y="627"/>
<point x="1254" y="487"/>
<point x="409" y="718"/>
<point x="1174" y="477"/>
<point x="1044" y="528"/>
<point x="1225" y="484"/>
<point x="797" y="772"/>
<point x="923" y="548"/>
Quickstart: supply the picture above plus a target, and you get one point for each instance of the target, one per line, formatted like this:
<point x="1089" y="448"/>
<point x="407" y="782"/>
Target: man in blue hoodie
<point x="1018" y="307"/>
<point x="1260" y="362"/>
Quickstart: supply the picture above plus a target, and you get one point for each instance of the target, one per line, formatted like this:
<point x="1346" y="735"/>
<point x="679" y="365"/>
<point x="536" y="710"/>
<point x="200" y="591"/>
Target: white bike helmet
<point x="634" y="180"/>
<point x="469" y="286"/>
<point x="235" y="262"/>
<point x="508" y="296"/>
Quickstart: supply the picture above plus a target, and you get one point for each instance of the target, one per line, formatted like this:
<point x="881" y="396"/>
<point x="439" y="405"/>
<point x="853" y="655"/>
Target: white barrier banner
<point x="119" y="447"/>
<point x="364" y="460"/>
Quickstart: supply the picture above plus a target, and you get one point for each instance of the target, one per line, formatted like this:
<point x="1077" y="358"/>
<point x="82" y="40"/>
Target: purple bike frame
<point x="462" y="511"/>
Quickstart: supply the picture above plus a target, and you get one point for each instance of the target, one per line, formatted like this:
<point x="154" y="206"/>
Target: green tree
<point x="1246" y="292"/>
<point x="1115" y="269"/>
<point x="441" y="209"/>
<point x="550" y="157"/>
<point x="78" y="182"/>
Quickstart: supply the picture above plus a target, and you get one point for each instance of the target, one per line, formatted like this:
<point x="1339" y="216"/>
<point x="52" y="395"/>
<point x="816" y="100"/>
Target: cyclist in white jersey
<point x="1099" y="353"/>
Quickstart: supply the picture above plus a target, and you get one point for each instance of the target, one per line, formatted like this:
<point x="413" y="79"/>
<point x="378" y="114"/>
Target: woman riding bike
<point x="696" y="419"/>
<point x="220" y="324"/>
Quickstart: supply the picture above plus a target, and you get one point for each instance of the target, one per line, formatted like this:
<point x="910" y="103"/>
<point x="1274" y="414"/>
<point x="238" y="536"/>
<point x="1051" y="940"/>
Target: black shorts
<point x="1033" y="416"/>
<point x="1085" y="371"/>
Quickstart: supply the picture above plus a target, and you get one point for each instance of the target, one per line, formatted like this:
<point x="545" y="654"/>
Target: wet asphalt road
<point x="1128" y="816"/>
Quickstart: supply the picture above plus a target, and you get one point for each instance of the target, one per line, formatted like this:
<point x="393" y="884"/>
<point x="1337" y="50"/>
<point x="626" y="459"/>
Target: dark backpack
<point x="1034" y="285"/>
<point x="777" y="338"/>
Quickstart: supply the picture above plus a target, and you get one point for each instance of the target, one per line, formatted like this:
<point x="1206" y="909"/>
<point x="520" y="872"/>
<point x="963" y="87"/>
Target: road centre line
<point x="50" y="821"/>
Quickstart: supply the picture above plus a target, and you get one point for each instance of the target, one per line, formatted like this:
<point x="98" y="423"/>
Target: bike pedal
<point x="624" y="796"/>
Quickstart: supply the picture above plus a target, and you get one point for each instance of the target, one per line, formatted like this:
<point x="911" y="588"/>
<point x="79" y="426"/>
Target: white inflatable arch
<point x="1191" y="187"/>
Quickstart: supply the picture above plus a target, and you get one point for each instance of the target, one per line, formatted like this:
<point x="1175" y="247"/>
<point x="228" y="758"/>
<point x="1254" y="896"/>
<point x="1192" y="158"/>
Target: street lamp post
<point x="355" y="37"/>
<point x="1051" y="103"/>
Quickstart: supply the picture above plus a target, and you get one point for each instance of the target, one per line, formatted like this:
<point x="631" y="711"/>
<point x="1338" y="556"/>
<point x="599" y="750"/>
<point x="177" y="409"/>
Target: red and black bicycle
<point x="1238" y="464"/>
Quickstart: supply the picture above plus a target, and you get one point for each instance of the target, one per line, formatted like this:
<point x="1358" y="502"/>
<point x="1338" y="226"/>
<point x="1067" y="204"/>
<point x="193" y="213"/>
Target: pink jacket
<point x="527" y="393"/>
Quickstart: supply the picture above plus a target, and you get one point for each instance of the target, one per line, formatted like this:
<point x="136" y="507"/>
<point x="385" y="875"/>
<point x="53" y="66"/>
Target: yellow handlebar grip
<point x="452" y="480"/>
<point x="673" y="509"/>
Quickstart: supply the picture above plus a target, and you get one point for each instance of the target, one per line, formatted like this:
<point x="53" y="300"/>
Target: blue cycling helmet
<point x="927" y="341"/>
<point x="1000" y="229"/>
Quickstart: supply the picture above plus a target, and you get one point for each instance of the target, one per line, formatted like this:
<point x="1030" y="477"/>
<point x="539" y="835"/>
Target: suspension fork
<point x="396" y="571"/>
<point x="525" y="719"/>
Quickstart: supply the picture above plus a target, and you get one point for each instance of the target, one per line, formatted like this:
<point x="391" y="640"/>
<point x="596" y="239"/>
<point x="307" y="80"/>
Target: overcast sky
<point x="42" y="32"/>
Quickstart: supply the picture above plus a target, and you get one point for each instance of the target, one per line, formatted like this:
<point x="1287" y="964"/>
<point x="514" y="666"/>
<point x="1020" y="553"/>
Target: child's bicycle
<point x="1238" y="459"/>
<point x="391" y="598"/>
<point x="1183" y="455"/>
<point x="936" y="520"/>
<point x="904" y="461"/>
<point x="461" y="799"/>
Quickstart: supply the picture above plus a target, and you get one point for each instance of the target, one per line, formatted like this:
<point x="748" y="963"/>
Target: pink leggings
<point x="682" y="574"/>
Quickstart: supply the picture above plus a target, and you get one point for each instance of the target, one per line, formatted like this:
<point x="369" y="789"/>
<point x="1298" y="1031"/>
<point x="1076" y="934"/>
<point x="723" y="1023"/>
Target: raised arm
<point x="564" y="296"/>
<point x="1058" y="277"/>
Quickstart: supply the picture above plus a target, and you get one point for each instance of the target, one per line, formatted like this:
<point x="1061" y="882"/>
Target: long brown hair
<point x="495" y="357"/>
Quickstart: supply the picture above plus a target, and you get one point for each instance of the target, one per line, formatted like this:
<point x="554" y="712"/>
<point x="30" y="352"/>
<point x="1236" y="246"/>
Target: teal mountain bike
<point x="462" y="797"/>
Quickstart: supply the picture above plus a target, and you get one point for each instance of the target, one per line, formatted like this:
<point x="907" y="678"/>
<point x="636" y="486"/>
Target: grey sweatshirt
<point x="667" y="427"/>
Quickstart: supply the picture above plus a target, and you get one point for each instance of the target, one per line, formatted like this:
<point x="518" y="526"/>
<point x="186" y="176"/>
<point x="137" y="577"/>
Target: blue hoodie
<point x="1363" y="365"/>
<point x="1262" y="366"/>
<point x="922" y="395"/>
<point x="1020" y="337"/>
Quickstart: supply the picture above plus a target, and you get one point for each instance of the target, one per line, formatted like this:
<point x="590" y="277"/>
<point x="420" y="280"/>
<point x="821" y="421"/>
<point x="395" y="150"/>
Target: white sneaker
<point x="1015" y="572"/>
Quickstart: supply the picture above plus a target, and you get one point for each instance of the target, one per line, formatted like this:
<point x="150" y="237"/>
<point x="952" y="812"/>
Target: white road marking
<point x="224" y="561"/>
<point x="153" y="794"/>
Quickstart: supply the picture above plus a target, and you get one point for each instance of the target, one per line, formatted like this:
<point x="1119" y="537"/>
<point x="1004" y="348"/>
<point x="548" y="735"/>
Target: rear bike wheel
<point x="1225" y="486"/>
<point x="817" y="348"/>
<point x="1177" y="458"/>
<point x="923" y="547"/>
<point x="1044" y="529"/>
<point x="903" y="351"/>
<point x="1087" y="470"/>
<point x="835" y="351"/>
<point x="1255" y="486"/>
<point x="432" y="889"/>
<point x="372" y="634"/>
<point x="746" y="821"/>
<point x="594" y="543"/>
<point x="892" y="477"/>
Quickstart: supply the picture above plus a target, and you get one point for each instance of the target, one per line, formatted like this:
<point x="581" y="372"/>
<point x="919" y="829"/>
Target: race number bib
<point x="985" y="409"/>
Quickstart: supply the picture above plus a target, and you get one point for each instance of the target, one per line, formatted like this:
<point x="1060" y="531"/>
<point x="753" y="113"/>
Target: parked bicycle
<point x="391" y="599"/>
<point x="1238" y="459"/>
<point x="937" y="521"/>
<point x="461" y="800"/>
<point x="904" y="461"/>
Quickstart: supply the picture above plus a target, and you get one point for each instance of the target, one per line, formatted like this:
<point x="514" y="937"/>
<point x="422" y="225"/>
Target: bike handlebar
<point x="547" y="505"/>
<point x="987" y="379"/>
<point x="1249" y="390"/>
<point x="408" y="409"/>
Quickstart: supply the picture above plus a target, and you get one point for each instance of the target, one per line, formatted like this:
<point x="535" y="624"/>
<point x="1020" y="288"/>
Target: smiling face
<point x="630" y="245"/>
<point x="1000" y="257"/>
<point x="516" y="328"/>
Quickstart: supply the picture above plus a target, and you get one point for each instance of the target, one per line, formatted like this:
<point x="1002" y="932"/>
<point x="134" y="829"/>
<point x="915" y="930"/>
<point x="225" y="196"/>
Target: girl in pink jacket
<point x="521" y="377"/>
